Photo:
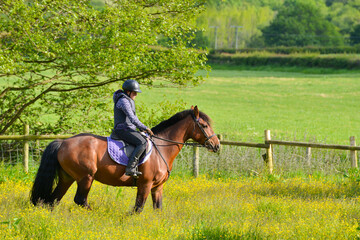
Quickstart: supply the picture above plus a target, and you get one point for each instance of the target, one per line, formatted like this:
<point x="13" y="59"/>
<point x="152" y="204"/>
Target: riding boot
<point x="131" y="169"/>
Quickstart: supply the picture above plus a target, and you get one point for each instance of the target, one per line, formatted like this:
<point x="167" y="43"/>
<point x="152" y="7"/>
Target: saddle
<point x="120" y="151"/>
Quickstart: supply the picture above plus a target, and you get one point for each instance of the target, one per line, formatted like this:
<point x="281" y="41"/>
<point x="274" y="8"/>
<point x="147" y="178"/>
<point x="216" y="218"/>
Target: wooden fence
<point x="267" y="145"/>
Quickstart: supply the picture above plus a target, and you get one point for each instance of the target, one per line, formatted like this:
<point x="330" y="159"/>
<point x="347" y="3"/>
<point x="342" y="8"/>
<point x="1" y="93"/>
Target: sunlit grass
<point x="261" y="207"/>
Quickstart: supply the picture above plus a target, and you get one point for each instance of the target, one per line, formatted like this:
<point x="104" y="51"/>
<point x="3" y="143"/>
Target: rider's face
<point x="133" y="95"/>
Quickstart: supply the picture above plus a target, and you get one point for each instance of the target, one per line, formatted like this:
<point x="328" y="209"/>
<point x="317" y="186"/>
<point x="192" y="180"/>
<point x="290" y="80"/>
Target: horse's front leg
<point x="156" y="194"/>
<point x="141" y="196"/>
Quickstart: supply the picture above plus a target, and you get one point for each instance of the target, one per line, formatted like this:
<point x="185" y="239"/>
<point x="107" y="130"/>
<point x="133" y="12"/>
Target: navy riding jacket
<point x="124" y="113"/>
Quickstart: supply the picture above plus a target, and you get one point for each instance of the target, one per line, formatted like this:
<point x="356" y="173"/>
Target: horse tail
<point x="46" y="175"/>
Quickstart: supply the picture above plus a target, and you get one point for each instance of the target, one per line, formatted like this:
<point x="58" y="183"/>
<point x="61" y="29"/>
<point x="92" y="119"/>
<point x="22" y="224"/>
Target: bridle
<point x="197" y="121"/>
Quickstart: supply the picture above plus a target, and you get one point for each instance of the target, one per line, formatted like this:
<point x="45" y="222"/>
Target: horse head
<point x="203" y="133"/>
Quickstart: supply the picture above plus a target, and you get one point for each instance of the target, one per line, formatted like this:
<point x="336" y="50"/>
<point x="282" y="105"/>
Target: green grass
<point x="320" y="107"/>
<point x="261" y="207"/>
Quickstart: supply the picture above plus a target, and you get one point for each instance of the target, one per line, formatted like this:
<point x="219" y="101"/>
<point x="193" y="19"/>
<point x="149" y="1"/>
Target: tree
<point x="301" y="23"/>
<point x="59" y="57"/>
<point x="355" y="35"/>
<point x="344" y="15"/>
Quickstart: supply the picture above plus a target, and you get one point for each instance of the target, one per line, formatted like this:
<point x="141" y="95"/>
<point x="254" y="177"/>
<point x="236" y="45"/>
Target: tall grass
<point x="235" y="162"/>
<point x="255" y="207"/>
<point x="234" y="198"/>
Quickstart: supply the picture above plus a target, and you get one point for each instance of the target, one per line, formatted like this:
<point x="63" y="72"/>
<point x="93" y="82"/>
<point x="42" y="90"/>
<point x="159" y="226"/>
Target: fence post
<point x="308" y="155"/>
<point x="196" y="162"/>
<point x="37" y="144"/>
<point x="353" y="154"/>
<point x="269" y="155"/>
<point x="26" y="148"/>
<point x="220" y="136"/>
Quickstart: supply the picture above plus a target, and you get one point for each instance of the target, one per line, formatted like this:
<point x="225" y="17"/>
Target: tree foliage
<point x="60" y="57"/>
<point x="301" y="23"/>
<point x="256" y="15"/>
<point x="344" y="16"/>
<point x="355" y="35"/>
<point x="228" y="16"/>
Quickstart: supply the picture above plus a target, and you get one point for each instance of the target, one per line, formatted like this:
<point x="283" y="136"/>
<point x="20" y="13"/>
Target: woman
<point x="126" y="122"/>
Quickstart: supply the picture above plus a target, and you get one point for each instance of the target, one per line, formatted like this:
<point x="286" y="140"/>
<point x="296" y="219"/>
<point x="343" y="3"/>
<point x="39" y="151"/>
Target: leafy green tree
<point x="355" y="35"/>
<point x="225" y="17"/>
<point x="301" y="23"/>
<point x="63" y="57"/>
<point x="344" y="14"/>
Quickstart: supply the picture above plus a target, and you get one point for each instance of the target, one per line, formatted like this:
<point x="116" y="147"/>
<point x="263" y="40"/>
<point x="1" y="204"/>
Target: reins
<point x="171" y="141"/>
<point x="167" y="165"/>
<point x="185" y="143"/>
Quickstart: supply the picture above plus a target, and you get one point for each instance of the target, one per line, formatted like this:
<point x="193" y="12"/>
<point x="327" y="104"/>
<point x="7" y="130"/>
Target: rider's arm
<point x="125" y="106"/>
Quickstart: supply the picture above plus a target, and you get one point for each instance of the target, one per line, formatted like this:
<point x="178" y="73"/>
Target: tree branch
<point x="53" y="88"/>
<point x="18" y="112"/>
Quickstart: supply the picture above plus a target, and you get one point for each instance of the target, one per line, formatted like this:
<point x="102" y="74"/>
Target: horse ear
<point x="196" y="112"/>
<point x="192" y="107"/>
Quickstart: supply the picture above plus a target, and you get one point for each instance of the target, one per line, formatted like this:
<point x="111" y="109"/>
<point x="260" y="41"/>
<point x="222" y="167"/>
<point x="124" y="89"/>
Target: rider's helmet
<point x="131" y="85"/>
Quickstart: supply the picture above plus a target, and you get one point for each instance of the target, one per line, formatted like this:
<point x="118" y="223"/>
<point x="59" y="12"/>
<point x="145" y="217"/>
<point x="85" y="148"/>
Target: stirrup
<point x="133" y="173"/>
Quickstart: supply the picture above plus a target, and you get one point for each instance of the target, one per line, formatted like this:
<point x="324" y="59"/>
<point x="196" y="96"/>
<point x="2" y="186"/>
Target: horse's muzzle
<point x="212" y="147"/>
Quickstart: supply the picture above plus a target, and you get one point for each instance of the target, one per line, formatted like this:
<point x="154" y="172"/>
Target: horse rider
<point x="126" y="122"/>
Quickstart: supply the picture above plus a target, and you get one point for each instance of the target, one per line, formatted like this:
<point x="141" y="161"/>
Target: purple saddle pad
<point x="116" y="150"/>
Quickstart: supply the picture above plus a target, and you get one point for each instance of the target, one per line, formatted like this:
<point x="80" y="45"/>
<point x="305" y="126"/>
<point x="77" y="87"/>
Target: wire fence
<point x="12" y="151"/>
<point x="232" y="161"/>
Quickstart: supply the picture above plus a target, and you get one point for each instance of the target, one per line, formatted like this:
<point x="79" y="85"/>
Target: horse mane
<point x="176" y="118"/>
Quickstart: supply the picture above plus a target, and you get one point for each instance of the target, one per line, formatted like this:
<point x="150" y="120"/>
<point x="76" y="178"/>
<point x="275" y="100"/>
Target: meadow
<point x="234" y="197"/>
<point x="204" y="208"/>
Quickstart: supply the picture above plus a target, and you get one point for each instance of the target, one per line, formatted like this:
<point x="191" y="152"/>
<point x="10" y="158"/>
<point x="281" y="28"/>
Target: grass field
<point x="320" y="106"/>
<point x="234" y="198"/>
<point x="247" y="208"/>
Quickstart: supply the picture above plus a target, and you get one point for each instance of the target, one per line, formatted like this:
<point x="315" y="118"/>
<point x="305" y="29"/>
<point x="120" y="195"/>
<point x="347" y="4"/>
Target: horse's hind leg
<point x="82" y="191"/>
<point x="63" y="185"/>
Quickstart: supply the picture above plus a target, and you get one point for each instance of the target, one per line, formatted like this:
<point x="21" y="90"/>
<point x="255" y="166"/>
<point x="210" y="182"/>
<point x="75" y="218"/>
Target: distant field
<point x="322" y="107"/>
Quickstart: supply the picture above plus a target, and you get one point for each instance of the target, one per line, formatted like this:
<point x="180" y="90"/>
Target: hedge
<point x="291" y="50"/>
<point x="337" y="62"/>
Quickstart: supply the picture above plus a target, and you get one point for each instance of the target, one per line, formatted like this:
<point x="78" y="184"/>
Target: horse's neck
<point x="177" y="133"/>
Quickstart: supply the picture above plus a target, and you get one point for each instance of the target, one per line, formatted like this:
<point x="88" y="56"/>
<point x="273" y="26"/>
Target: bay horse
<point x="84" y="158"/>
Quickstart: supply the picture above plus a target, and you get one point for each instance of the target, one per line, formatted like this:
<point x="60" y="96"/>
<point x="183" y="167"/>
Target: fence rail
<point x="268" y="145"/>
<point x="313" y="145"/>
<point x="33" y="137"/>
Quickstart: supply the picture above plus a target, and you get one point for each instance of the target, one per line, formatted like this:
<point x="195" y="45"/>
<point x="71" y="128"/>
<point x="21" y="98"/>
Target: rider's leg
<point x="131" y="169"/>
<point x="134" y="138"/>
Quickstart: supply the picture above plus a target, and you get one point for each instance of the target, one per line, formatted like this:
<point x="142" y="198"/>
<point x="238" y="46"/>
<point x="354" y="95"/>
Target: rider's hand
<point x="148" y="130"/>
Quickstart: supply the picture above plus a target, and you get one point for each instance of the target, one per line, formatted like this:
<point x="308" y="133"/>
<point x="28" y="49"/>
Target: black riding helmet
<point x="131" y="85"/>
